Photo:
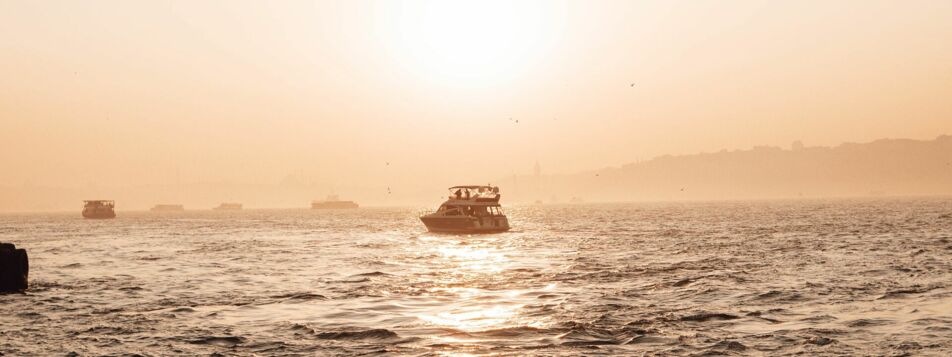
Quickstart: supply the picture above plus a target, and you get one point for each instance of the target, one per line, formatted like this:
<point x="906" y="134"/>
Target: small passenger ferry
<point x="167" y="208"/>
<point x="469" y="209"/>
<point x="99" y="209"/>
<point x="333" y="202"/>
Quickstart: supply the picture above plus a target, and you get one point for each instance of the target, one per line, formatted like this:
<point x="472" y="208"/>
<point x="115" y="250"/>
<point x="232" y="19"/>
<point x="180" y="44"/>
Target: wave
<point x="727" y="345"/>
<point x="709" y="316"/>
<point x="907" y="291"/>
<point x="300" y="296"/>
<point x="223" y="341"/>
<point x="376" y="334"/>
<point x="347" y="334"/>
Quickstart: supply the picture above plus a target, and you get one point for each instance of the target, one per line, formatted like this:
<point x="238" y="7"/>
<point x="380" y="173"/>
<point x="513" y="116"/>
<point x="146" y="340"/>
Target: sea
<point x="847" y="277"/>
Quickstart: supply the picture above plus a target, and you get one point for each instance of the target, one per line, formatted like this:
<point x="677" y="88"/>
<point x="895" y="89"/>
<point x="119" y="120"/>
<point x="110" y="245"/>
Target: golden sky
<point x="156" y="92"/>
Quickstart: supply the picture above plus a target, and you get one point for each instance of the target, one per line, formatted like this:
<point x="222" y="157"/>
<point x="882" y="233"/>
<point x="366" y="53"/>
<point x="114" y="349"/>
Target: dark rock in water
<point x="14" y="268"/>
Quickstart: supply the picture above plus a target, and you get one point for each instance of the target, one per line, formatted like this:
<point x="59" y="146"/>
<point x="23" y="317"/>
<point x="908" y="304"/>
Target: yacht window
<point x="480" y="211"/>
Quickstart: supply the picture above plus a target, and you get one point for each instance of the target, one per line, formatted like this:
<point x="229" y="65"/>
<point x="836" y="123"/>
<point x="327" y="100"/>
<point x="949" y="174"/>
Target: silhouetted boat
<point x="469" y="209"/>
<point x="99" y="209"/>
<point x="167" y="208"/>
<point x="332" y="202"/>
<point x="228" y="207"/>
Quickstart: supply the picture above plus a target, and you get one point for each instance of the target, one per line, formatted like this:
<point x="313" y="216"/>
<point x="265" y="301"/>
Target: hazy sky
<point x="136" y="92"/>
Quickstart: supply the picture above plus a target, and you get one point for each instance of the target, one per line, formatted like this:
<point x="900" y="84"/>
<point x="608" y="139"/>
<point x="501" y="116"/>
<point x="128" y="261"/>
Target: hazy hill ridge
<point x="878" y="168"/>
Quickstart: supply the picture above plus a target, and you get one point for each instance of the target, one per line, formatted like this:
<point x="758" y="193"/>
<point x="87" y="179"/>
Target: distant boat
<point x="99" y="209"/>
<point x="469" y="209"/>
<point x="333" y="202"/>
<point x="228" y="207"/>
<point x="167" y="208"/>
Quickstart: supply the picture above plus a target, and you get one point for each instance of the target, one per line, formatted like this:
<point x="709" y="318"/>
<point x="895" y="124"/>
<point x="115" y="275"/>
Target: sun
<point x="470" y="43"/>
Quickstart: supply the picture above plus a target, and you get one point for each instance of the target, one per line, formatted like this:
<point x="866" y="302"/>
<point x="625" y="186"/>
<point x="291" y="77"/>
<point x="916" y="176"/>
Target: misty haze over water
<point x="887" y="167"/>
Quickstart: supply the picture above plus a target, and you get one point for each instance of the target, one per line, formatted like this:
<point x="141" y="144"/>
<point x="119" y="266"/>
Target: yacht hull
<point x="465" y="224"/>
<point x="99" y="214"/>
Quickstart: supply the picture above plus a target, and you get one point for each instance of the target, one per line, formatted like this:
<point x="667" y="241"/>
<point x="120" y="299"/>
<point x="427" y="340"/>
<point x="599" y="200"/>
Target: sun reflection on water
<point x="462" y="257"/>
<point x="474" y="318"/>
<point x="472" y="273"/>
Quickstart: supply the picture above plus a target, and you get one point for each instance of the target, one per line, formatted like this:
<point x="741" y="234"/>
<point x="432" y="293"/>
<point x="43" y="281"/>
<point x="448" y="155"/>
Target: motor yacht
<point x="468" y="209"/>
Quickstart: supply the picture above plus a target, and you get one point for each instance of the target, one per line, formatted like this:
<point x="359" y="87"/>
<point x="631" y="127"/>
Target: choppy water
<point x="860" y="277"/>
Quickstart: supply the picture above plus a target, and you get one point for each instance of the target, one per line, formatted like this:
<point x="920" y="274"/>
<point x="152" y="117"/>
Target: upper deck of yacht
<point x="99" y="203"/>
<point x="473" y="195"/>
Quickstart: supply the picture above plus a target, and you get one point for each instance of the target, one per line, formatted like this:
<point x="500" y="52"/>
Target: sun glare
<point x="470" y="43"/>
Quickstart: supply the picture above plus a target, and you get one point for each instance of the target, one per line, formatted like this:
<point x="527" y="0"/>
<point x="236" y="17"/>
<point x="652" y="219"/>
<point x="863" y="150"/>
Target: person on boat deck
<point x="467" y="194"/>
<point x="459" y="193"/>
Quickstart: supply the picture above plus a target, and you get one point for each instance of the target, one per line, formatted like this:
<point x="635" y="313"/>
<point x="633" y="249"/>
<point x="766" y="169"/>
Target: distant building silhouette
<point x="796" y="146"/>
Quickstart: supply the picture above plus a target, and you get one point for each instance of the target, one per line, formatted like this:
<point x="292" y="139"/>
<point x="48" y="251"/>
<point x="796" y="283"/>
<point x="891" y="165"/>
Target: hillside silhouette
<point x="885" y="167"/>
